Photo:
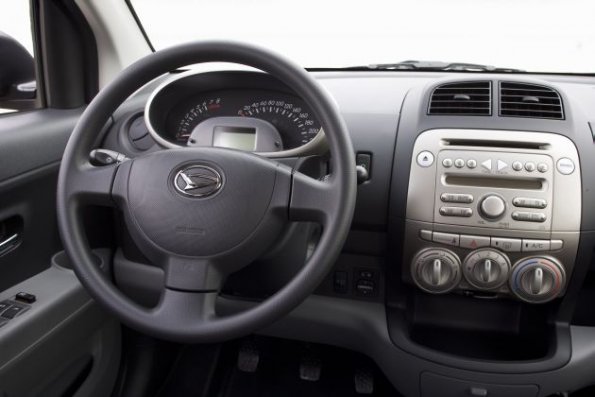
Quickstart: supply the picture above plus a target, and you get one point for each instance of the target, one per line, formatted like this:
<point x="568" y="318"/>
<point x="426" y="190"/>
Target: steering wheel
<point x="203" y="213"/>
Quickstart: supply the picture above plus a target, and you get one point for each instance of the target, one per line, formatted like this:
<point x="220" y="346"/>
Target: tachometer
<point x="295" y="124"/>
<point x="199" y="112"/>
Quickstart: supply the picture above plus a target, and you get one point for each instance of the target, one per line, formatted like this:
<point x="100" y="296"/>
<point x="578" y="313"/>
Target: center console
<point x="492" y="214"/>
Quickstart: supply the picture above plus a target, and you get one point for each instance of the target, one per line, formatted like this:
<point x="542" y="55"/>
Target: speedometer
<point x="199" y="112"/>
<point x="295" y="124"/>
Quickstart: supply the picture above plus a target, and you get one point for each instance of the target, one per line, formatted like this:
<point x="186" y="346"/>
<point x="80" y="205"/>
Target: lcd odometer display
<point x="235" y="138"/>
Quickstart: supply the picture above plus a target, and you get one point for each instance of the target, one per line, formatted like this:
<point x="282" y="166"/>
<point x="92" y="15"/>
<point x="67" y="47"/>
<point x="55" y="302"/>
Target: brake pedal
<point x="364" y="381"/>
<point x="310" y="367"/>
<point x="248" y="356"/>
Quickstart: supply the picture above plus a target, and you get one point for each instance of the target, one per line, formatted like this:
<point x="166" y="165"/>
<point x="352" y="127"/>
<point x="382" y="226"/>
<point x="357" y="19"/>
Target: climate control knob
<point x="436" y="270"/>
<point x="537" y="279"/>
<point x="492" y="207"/>
<point x="486" y="269"/>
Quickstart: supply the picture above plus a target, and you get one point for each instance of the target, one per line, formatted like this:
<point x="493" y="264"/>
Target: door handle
<point x="11" y="234"/>
<point x="8" y="242"/>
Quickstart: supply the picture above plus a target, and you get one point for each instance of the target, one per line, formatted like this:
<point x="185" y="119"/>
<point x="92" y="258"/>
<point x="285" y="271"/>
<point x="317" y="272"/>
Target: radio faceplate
<point x="492" y="175"/>
<point x="516" y="193"/>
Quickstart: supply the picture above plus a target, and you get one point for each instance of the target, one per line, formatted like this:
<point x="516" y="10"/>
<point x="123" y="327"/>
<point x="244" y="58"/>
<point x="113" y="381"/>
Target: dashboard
<point x="470" y="251"/>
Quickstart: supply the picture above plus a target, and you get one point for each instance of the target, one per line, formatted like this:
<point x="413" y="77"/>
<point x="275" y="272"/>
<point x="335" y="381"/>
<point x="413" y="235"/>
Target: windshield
<point x="531" y="35"/>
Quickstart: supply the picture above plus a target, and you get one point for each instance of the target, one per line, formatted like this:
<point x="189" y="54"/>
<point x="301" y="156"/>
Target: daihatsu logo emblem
<point x="198" y="181"/>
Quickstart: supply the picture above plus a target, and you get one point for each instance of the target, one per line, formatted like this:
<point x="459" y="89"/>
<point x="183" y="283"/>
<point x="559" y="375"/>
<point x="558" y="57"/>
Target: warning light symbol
<point x="473" y="244"/>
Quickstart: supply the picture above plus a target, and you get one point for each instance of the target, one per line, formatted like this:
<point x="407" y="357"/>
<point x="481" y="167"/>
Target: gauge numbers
<point x="199" y="112"/>
<point x="295" y="124"/>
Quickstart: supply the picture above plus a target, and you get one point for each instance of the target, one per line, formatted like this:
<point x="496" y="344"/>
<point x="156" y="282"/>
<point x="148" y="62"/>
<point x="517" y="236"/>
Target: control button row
<point x="530" y="166"/>
<point x="526" y="202"/>
<point x="538" y="217"/>
<point x="456" y="198"/>
<point x="459" y="163"/>
<point x="463" y="212"/>
<point x="502" y="243"/>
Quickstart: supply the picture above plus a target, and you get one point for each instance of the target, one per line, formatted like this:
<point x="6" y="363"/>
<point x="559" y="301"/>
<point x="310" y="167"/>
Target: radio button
<point x="517" y="166"/>
<point x="425" y="159"/>
<point x="447" y="163"/>
<point x="456" y="198"/>
<point x="446" y="238"/>
<point x="456" y="211"/>
<point x="565" y="166"/>
<point x="535" y="245"/>
<point x="501" y="165"/>
<point x="529" y="216"/>
<point x="425" y="235"/>
<point x="459" y="163"/>
<point x="471" y="163"/>
<point x="529" y="202"/>
<point x="473" y="242"/>
<point x="542" y="167"/>
<point x="487" y="165"/>
<point x="506" y="244"/>
<point x="530" y="166"/>
<point x="492" y="207"/>
<point x="556" y="245"/>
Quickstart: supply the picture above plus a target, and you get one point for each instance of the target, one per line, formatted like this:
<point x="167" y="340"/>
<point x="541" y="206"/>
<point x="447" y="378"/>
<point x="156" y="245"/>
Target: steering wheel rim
<point x="330" y="202"/>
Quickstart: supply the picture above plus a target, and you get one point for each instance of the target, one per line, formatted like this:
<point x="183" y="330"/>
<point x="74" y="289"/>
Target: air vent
<point x="470" y="98"/>
<point x="530" y="100"/>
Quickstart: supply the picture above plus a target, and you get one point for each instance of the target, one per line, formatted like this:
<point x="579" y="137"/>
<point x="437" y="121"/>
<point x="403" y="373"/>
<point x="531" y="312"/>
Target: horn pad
<point x="199" y="202"/>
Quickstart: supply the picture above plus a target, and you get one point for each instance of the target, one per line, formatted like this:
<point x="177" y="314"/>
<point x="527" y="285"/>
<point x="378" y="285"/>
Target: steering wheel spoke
<point x="192" y="274"/>
<point x="185" y="309"/>
<point x="311" y="199"/>
<point x="92" y="185"/>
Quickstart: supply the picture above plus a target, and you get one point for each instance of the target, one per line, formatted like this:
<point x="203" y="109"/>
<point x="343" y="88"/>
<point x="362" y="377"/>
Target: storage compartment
<point x="486" y="329"/>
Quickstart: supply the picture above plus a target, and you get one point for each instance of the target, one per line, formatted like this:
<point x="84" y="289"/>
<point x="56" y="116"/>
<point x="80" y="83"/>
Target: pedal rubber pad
<point x="248" y="356"/>
<point x="364" y="381"/>
<point x="310" y="368"/>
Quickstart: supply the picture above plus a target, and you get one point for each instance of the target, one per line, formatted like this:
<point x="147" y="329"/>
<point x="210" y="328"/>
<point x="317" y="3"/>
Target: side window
<point x="18" y="87"/>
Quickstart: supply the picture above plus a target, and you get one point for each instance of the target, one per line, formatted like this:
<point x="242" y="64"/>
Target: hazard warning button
<point x="473" y="242"/>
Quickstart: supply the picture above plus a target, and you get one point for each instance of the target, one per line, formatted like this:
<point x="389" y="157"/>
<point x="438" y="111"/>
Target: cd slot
<point x="495" y="182"/>
<point x="497" y="144"/>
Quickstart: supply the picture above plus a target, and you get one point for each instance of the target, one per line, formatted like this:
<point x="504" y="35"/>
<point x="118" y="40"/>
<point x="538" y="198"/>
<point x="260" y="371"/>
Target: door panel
<point x="31" y="146"/>
<point x="63" y="343"/>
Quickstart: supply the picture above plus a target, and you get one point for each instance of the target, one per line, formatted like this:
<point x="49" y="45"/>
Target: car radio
<point x="492" y="211"/>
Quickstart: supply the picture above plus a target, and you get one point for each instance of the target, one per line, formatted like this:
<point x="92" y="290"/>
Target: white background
<point x="535" y="35"/>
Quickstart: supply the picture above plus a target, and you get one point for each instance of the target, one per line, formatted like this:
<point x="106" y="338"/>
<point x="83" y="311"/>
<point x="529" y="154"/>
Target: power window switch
<point x="4" y="305"/>
<point x="340" y="282"/>
<point x="13" y="311"/>
<point x="25" y="297"/>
